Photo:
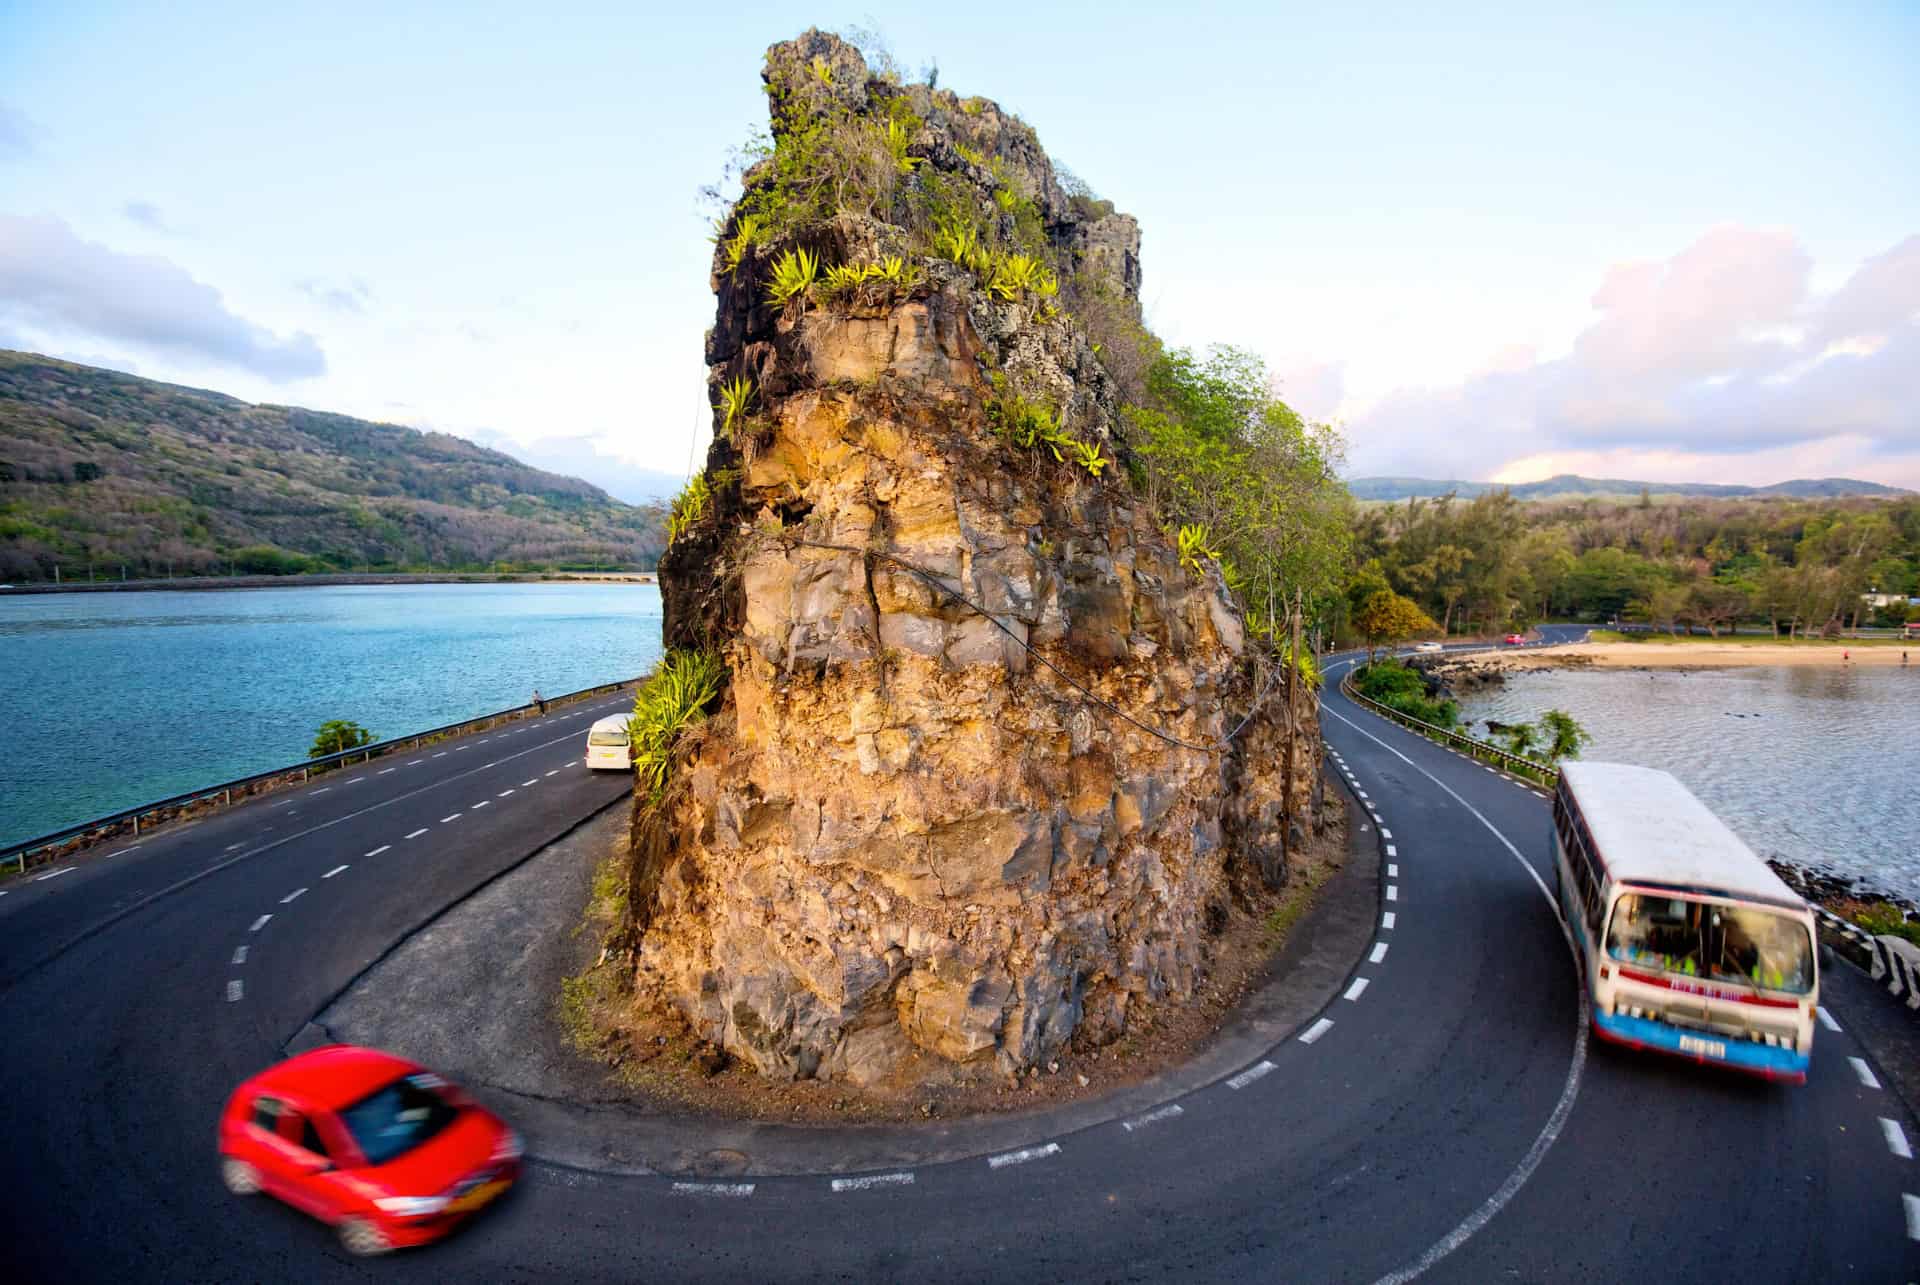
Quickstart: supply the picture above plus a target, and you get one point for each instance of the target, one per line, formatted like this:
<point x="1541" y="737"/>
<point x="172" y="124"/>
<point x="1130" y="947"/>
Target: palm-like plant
<point x="691" y="505"/>
<point x="899" y="136"/>
<point x="794" y="273"/>
<point x="1087" y="455"/>
<point x="1193" y="546"/>
<point x="673" y="699"/>
<point x="743" y="234"/>
<point x="734" y="396"/>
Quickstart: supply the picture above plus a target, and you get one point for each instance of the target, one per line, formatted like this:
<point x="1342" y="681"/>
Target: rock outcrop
<point x="971" y="788"/>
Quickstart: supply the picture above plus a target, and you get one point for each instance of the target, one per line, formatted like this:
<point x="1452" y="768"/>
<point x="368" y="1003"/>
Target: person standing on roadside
<point x="538" y="703"/>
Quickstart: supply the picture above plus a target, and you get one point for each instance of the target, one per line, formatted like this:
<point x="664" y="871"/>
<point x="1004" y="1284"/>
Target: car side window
<point x="310" y="1139"/>
<point x="266" y="1113"/>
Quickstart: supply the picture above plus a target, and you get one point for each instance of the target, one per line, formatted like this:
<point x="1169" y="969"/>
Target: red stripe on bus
<point x="1711" y="992"/>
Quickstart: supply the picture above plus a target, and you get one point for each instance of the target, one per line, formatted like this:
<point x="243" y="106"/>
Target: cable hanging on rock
<point x="1222" y="746"/>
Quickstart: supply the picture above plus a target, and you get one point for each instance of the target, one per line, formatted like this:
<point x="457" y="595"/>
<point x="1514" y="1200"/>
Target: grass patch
<point x="1884" y="919"/>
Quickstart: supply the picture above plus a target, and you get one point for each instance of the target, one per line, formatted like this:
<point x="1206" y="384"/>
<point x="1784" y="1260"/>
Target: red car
<point x="1515" y="640"/>
<point x="385" y="1150"/>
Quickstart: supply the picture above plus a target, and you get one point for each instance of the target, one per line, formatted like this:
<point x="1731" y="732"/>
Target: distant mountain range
<point x="1572" y="486"/>
<point x="107" y="468"/>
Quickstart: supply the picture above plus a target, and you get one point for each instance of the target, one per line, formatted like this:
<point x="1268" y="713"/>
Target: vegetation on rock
<point x="673" y="699"/>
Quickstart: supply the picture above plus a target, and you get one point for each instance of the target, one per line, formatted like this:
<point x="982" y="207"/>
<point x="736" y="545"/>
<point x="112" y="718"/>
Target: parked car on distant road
<point x="607" y="744"/>
<point x="1428" y="646"/>
<point x="1514" y="640"/>
<point x="370" y="1143"/>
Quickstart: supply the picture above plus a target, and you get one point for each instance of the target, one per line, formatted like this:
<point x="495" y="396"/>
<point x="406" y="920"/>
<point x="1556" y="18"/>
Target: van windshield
<point x="1713" y="940"/>
<point x="607" y="738"/>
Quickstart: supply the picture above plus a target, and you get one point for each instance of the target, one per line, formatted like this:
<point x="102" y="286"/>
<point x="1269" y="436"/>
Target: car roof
<point x="333" y="1077"/>
<point x="611" y="723"/>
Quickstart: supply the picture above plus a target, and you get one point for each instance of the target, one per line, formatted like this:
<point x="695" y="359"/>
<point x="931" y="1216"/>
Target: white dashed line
<point x="383" y="771"/>
<point x="1361" y="793"/>
<point x="1249" y="1075"/>
<point x="454" y="817"/>
<point x="442" y="754"/>
<point x="713" y="1189"/>
<point x="376" y="852"/>
<point x="353" y="780"/>
<point x="259" y="923"/>
<point x="1386" y="920"/>
<point x="1912" y="1204"/>
<point x="1896" y="1138"/>
<point x="1826" y="1020"/>
<point x="323" y="789"/>
<point x="1393" y="892"/>
<point x="1865" y="1072"/>
<point x="481" y="804"/>
<point x="483" y="740"/>
<point x="416" y="834"/>
<point x="1315" y="1031"/>
<point x="1152" y="1117"/>
<point x="1023" y="1155"/>
<point x="1379" y="952"/>
<point x="240" y="955"/>
<point x="555" y="772"/>
<point x="460" y="749"/>
<point x="123" y="852"/>
<point x="503" y="794"/>
<point x="1356" y="990"/>
<point x="53" y="874"/>
<point x="294" y="895"/>
<point x="230" y="847"/>
<point x="534" y="781"/>
<point x="235" y="990"/>
<point x="1393" y="871"/>
<point x="415" y="762"/>
<point x="1386" y="834"/>
<point x="1392" y="850"/>
<point x="873" y="1180"/>
<point x="336" y="870"/>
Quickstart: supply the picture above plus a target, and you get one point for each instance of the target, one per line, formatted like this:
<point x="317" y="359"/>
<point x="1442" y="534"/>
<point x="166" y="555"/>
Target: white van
<point x="607" y="744"/>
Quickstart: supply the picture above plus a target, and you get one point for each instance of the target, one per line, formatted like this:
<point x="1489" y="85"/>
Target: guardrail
<point x="59" y="843"/>
<point x="1543" y="773"/>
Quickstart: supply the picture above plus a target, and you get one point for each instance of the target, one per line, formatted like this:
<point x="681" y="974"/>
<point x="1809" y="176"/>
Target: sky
<point x="1665" y="242"/>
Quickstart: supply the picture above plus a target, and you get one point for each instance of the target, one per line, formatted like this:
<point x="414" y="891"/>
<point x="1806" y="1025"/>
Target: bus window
<point x="1703" y="939"/>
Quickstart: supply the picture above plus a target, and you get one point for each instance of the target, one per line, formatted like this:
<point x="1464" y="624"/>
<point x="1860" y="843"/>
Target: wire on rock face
<point x="1222" y="746"/>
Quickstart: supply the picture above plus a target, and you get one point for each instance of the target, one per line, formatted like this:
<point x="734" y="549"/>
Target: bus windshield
<point x="1712" y="940"/>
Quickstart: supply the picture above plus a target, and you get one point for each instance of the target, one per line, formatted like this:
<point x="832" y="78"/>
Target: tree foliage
<point x="337" y="735"/>
<point x="1387" y="617"/>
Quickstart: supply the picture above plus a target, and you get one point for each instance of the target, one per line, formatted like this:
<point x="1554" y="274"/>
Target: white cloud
<point x="1719" y="357"/>
<point x="67" y="289"/>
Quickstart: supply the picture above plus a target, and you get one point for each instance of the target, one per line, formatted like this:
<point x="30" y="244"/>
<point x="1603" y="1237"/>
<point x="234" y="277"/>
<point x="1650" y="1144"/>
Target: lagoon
<point x="109" y="700"/>
<point x="1818" y="766"/>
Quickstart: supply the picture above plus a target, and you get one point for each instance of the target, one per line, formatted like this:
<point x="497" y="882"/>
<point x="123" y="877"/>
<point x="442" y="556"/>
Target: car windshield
<point x="607" y="738"/>
<point x="398" y="1118"/>
<point x="1713" y="940"/>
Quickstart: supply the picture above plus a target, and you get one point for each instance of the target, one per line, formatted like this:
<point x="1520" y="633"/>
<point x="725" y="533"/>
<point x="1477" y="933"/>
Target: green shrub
<point x="336" y="735"/>
<point x="1884" y="919"/>
<point x="693" y="503"/>
<point x="793" y="276"/>
<point x="1400" y="688"/>
<point x="675" y="697"/>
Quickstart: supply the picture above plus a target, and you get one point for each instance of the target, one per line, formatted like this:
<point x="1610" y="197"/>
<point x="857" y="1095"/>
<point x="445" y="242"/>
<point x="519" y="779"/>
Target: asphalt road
<point x="1445" y="1115"/>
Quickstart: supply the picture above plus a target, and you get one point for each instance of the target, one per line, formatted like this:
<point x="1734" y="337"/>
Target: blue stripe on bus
<point x="1741" y="1053"/>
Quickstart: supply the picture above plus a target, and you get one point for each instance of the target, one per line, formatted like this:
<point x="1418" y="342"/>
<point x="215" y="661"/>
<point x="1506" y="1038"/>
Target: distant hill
<point x="103" y="466"/>
<point x="1569" y="485"/>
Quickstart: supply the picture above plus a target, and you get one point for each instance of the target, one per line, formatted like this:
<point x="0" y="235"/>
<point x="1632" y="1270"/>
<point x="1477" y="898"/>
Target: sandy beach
<point x="1700" y="655"/>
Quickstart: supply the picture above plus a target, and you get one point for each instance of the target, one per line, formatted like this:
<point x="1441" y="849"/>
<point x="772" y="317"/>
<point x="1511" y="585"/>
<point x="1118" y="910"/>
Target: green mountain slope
<point x="1568" y="485"/>
<point x="105" y="467"/>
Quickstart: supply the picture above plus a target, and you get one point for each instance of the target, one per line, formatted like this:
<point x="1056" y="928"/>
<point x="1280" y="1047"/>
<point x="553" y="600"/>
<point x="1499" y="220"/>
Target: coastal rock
<point x="967" y="795"/>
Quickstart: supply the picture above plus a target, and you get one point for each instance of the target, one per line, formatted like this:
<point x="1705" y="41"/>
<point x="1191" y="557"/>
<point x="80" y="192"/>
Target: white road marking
<point x="484" y="768"/>
<point x="713" y="1189"/>
<point x="231" y="846"/>
<point x="53" y="874"/>
<point x="416" y="834"/>
<point x="1393" y="892"/>
<point x="460" y="749"/>
<point x="503" y="794"/>
<point x="1826" y="1019"/>
<point x="354" y="780"/>
<point x="1023" y="1155"/>
<point x="555" y="772"/>
<point x="259" y="923"/>
<point x="415" y="762"/>
<point x="483" y="740"/>
<point x="1167" y="1112"/>
<point x="382" y="848"/>
<point x="1386" y="834"/>
<point x="1865" y="1072"/>
<point x="1386" y="920"/>
<point x="1361" y="793"/>
<point x="534" y="781"/>
<point x="1314" y="1032"/>
<point x="481" y="804"/>
<point x="323" y="789"/>
<point x="1374" y="815"/>
<point x="383" y="771"/>
<point x="873" y="1180"/>
<point x="1393" y="850"/>
<point x="1393" y="871"/>
<point x="1379" y="952"/>
<point x="240" y="955"/>
<point x="1356" y="990"/>
<point x="336" y="870"/>
<point x="235" y="990"/>
<point x="442" y="754"/>
<point x="1249" y="1075"/>
<point x="291" y="896"/>
<point x="1896" y="1138"/>
<point x="123" y="852"/>
<point x="454" y="817"/>
<point x="1912" y="1204"/>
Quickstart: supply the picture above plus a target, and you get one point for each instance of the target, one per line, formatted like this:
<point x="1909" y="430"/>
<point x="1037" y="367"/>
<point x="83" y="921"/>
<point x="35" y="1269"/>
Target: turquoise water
<point x="1817" y="765"/>
<point x="111" y="699"/>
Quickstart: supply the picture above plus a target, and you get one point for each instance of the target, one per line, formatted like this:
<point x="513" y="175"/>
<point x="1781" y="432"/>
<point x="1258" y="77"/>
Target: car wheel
<point x="362" y="1239"/>
<point x="241" y="1178"/>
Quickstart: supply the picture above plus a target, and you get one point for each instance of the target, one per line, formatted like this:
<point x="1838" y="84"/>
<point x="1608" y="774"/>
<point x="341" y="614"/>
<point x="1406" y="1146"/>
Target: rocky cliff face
<point x="970" y="789"/>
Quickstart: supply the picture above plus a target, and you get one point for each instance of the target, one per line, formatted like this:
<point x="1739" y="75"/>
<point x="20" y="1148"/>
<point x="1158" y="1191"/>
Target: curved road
<point x="1444" y="1115"/>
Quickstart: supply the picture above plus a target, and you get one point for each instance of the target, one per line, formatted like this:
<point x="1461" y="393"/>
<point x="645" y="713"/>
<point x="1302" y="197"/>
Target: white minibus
<point x="607" y="744"/>
<point x="1691" y="945"/>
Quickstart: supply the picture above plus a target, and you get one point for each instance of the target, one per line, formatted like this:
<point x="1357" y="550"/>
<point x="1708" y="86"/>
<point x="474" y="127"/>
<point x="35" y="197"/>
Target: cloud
<point x="351" y="297"/>
<point x="1718" y="353"/>
<point x="147" y="215"/>
<point x="52" y="280"/>
<point x="19" y="136"/>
